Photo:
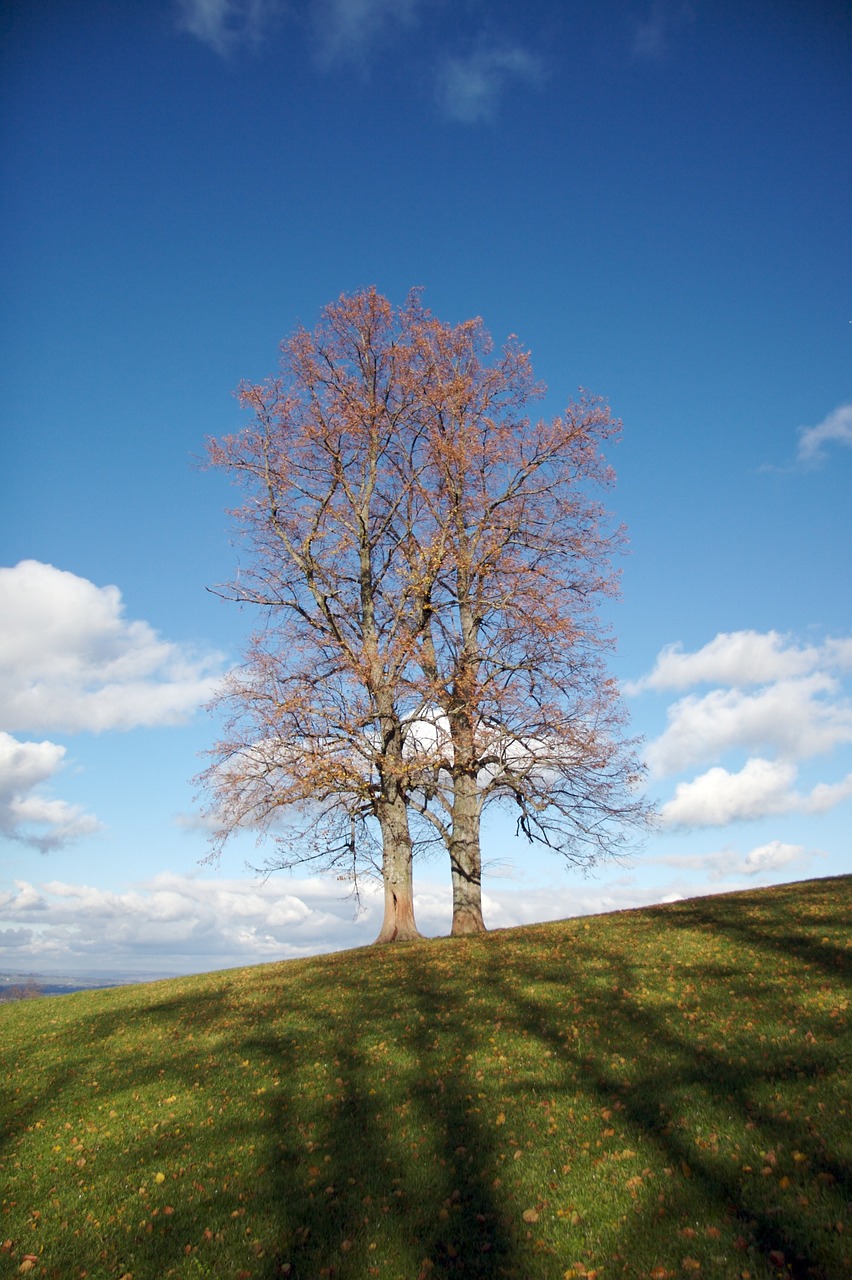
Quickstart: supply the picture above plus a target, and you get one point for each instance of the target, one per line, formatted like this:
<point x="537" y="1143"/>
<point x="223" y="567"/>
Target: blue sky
<point x="654" y="196"/>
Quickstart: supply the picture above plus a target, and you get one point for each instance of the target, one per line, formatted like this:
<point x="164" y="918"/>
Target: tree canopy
<point x="429" y="562"/>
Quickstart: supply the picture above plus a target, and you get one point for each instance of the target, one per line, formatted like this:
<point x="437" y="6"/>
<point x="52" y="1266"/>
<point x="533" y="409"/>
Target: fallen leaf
<point x="530" y="1215"/>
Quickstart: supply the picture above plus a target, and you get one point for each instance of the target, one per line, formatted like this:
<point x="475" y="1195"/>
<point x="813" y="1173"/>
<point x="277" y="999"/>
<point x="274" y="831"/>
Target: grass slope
<point x="657" y="1093"/>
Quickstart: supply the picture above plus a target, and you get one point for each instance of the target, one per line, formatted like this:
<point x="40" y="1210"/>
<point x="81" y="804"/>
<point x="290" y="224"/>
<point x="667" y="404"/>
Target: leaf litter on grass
<point x="659" y="1092"/>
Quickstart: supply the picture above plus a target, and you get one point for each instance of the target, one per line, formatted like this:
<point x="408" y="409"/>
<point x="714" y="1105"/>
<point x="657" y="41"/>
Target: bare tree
<point x="314" y="718"/>
<point x="510" y="644"/>
<point x="430" y="564"/>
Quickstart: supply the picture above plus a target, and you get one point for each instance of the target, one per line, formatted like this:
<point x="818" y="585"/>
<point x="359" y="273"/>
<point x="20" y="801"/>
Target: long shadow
<point x="395" y="1152"/>
<point x="385" y="1148"/>
<point x="758" y="928"/>
<point x="149" y="1225"/>
<point x="782" y="1237"/>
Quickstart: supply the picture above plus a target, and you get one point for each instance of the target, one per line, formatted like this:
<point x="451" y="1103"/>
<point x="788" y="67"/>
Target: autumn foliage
<point x="429" y="562"/>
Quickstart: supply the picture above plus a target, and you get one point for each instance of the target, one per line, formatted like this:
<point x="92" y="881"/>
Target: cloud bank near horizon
<point x="174" y="924"/>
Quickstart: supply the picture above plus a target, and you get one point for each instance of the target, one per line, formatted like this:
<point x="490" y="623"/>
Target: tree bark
<point x="466" y="857"/>
<point x="398" y="924"/>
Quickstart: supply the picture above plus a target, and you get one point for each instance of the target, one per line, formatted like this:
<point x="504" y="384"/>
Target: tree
<point x="511" y="648"/>
<point x="430" y="563"/>
<point x="314" y="721"/>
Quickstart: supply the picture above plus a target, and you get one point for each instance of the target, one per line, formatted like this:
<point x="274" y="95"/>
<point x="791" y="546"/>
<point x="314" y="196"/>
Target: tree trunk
<point x="466" y="857"/>
<point x="398" y="924"/>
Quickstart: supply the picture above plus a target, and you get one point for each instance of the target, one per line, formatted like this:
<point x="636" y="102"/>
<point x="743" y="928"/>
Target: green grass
<point x="657" y="1093"/>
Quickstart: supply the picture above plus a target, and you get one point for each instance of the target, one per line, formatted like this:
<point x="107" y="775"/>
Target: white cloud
<point x="835" y="429"/>
<point x="718" y="797"/>
<point x="469" y="89"/>
<point x="728" y="864"/>
<point x="739" y="658"/>
<point x="771" y="857"/>
<point x="26" y="814"/>
<point x="759" y="789"/>
<point x="71" y="661"/>
<point x="225" y="25"/>
<point x="649" y="35"/>
<point x="795" y="718"/>
<point x="826" y="795"/>
<point x="345" y="30"/>
<point x="188" y="924"/>
<point x="181" y="923"/>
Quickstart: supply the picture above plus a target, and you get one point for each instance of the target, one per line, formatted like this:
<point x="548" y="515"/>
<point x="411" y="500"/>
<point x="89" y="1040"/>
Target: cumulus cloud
<point x="70" y="660"/>
<point x="795" y="718"/>
<point x="777" y="701"/>
<point x="826" y="795"/>
<point x="834" y="429"/>
<point x="718" y="797"/>
<point x="226" y="25"/>
<point x="740" y="658"/>
<point x="469" y="89"/>
<point x="772" y="857"/>
<point x="759" y="789"/>
<point x="28" y="815"/>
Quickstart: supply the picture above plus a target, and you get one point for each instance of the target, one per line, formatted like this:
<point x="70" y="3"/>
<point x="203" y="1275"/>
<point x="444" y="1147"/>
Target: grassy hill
<point x="657" y="1093"/>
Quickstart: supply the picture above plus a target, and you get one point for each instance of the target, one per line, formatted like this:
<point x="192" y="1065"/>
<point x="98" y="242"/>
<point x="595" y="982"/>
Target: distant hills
<point x="27" y="986"/>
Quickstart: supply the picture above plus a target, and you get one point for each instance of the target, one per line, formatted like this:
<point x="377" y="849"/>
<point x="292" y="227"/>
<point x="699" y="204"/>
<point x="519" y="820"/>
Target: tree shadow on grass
<point x="668" y="1073"/>
<point x="393" y="1173"/>
<point x="86" y="1131"/>
<point x="346" y="1118"/>
<point x="755" y="922"/>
